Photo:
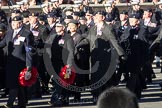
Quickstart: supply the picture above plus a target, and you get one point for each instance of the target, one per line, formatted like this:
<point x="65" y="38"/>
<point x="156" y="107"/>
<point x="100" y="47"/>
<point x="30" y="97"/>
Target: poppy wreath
<point x="31" y="81"/>
<point x="66" y="77"/>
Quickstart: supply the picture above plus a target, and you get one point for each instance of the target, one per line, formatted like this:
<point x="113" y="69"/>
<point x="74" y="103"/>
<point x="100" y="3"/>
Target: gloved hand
<point x="123" y="58"/>
<point x="68" y="72"/>
<point x="28" y="73"/>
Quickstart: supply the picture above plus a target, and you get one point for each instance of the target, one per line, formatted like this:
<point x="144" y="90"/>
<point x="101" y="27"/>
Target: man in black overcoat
<point x="102" y="39"/>
<point x="19" y="42"/>
<point x="61" y="54"/>
<point x="81" y="57"/>
<point x="40" y="33"/>
<point x="136" y="48"/>
<point x="2" y="57"/>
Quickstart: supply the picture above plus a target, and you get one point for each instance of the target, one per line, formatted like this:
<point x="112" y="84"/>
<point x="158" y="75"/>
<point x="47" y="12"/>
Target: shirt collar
<point x="18" y="30"/>
<point x="52" y="25"/>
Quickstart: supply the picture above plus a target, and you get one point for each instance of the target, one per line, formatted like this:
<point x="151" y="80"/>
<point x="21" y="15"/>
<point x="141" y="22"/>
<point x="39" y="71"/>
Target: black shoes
<point x="153" y="75"/>
<point x="158" y="64"/>
<point x="59" y="103"/>
<point x="95" y="99"/>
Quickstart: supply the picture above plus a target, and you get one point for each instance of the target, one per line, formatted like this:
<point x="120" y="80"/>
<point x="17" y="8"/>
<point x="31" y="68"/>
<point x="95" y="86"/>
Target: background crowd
<point x="78" y="36"/>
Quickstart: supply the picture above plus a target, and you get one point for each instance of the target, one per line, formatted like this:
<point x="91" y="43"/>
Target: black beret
<point x="100" y="13"/>
<point x="68" y="9"/>
<point x="3" y="27"/>
<point x="34" y="14"/>
<point x="83" y="18"/>
<point x="51" y="15"/>
<point x="108" y="19"/>
<point x="74" y="22"/>
<point x="90" y="12"/>
<point x="42" y="18"/>
<point x="76" y="13"/>
<point x="69" y="17"/>
<point x="124" y="12"/>
<point x="148" y="9"/>
<point x="134" y="16"/>
<point x="16" y="11"/>
<point x="17" y="18"/>
<point x="2" y="13"/>
<point x="26" y="14"/>
<point x="60" y="23"/>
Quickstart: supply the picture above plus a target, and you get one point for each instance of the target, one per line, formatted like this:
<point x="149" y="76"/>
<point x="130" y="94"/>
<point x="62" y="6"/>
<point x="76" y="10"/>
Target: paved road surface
<point x="151" y="97"/>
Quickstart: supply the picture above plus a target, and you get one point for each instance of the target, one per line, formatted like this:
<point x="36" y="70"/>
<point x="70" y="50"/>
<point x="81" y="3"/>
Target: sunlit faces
<point x="160" y="6"/>
<point x="51" y="20"/>
<point x="14" y="14"/>
<point x="136" y="7"/>
<point x="59" y="28"/>
<point x="1" y="34"/>
<point x="147" y="14"/>
<point x="94" y="19"/>
<point x="68" y="13"/>
<point x="88" y="16"/>
<point x="99" y="18"/>
<point x="32" y="19"/>
<point x="83" y="22"/>
<point x="24" y="7"/>
<point x="133" y="21"/>
<point x="16" y="24"/>
<point x="123" y="17"/>
<point x="72" y="27"/>
<point x="0" y="4"/>
<point x="109" y="9"/>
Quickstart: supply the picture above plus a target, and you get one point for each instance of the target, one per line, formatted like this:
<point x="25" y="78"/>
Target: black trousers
<point x="21" y="93"/>
<point x="59" y="93"/>
<point x="134" y="84"/>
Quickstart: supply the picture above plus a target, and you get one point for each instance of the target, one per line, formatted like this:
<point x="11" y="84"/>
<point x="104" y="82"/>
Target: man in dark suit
<point x="19" y="42"/>
<point x="83" y="28"/>
<point x="136" y="48"/>
<point x="81" y="57"/>
<point x="40" y="33"/>
<point x="61" y="53"/>
<point x="120" y="27"/>
<point x="51" y="19"/>
<point x="3" y="17"/>
<point x="2" y="59"/>
<point x="135" y="9"/>
<point x="153" y="28"/>
<point x="89" y="17"/>
<point x="101" y="38"/>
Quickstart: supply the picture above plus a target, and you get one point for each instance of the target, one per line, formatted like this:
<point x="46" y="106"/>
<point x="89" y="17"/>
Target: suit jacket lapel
<point x="10" y="36"/>
<point x="93" y="36"/>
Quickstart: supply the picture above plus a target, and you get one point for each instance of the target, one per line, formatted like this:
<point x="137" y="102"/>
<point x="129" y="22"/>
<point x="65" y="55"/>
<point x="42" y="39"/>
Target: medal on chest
<point x="18" y="40"/>
<point x="61" y="42"/>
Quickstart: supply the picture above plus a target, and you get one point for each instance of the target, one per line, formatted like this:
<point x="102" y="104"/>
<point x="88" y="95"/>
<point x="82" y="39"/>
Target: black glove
<point x="123" y="58"/>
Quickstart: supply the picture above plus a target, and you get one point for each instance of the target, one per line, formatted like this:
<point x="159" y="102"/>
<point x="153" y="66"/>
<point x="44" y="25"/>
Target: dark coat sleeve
<point x="111" y="36"/>
<point x="48" y="45"/>
<point x="29" y="42"/>
<point x="70" y="48"/>
<point x="3" y="42"/>
<point x="44" y="33"/>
